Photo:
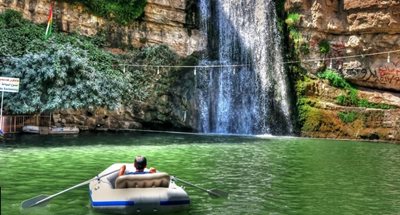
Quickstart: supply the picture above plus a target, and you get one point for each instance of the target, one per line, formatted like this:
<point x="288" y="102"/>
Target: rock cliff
<point x="364" y="47"/>
<point x="164" y="22"/>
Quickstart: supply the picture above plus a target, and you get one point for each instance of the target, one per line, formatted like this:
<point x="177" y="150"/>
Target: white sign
<point x="9" y="84"/>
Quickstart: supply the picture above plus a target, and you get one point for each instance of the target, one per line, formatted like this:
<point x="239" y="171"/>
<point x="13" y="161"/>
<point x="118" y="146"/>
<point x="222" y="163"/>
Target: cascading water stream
<point x="248" y="93"/>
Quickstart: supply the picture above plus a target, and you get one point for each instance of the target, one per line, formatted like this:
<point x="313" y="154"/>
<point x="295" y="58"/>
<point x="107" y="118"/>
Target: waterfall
<point x="248" y="92"/>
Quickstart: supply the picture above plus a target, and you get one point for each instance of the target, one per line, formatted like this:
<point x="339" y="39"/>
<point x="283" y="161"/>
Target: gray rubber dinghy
<point x="137" y="193"/>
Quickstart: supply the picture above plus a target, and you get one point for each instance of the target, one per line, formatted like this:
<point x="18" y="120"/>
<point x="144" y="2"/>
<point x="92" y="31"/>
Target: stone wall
<point x="164" y="22"/>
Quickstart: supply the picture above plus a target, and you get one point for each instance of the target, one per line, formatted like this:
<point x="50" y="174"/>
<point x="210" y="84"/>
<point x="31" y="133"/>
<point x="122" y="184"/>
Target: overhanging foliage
<point x="71" y="71"/>
<point x="122" y="11"/>
<point x="66" y="71"/>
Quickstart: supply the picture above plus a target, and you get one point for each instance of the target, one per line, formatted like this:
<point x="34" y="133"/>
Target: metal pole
<point x="1" y="110"/>
<point x="15" y="124"/>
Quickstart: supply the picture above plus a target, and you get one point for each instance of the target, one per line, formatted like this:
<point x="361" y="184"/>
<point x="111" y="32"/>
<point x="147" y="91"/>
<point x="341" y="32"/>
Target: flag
<point x="49" y="22"/>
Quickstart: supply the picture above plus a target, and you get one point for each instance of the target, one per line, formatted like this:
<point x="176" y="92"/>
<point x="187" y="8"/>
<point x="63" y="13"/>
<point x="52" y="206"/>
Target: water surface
<point x="262" y="175"/>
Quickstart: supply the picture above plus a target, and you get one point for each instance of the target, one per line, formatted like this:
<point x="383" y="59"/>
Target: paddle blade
<point x="33" y="201"/>
<point x="218" y="193"/>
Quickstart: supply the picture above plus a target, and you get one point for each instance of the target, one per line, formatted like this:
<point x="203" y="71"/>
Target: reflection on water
<point x="262" y="175"/>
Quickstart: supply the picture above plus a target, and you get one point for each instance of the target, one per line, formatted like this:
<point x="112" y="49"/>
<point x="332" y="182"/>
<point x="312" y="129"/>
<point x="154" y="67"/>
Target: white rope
<point x="197" y="66"/>
<point x="244" y="65"/>
<point x="287" y="62"/>
<point x="342" y="57"/>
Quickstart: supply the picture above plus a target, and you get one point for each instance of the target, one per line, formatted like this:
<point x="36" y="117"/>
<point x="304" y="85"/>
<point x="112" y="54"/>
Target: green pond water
<point x="262" y="175"/>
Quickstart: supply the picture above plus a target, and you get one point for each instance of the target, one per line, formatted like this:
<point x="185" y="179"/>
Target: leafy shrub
<point x="11" y="19"/>
<point x="365" y="103"/>
<point x="324" y="47"/>
<point x="71" y="71"/>
<point x="122" y="11"/>
<point x="343" y="100"/>
<point x="309" y="116"/>
<point x="302" y="86"/>
<point x="295" y="35"/>
<point x="335" y="79"/>
<point x="292" y="19"/>
<point x="299" y="43"/>
<point x="348" y="117"/>
<point x="351" y="97"/>
<point x="66" y="71"/>
<point x="305" y="48"/>
<point x="62" y="76"/>
<point x="17" y="36"/>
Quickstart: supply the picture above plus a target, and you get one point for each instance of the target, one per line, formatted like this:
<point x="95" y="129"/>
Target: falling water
<point x="248" y="92"/>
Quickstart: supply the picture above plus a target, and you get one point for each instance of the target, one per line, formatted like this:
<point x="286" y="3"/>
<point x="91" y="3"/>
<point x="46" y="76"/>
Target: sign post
<point x="7" y="85"/>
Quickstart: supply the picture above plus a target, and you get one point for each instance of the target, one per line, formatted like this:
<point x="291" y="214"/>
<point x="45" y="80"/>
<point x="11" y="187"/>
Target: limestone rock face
<point x="368" y="123"/>
<point x="373" y="16"/>
<point x="359" y="33"/>
<point x="164" y="22"/>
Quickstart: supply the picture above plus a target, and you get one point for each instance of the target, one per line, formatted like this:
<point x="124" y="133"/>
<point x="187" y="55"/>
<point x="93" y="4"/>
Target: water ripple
<point x="262" y="176"/>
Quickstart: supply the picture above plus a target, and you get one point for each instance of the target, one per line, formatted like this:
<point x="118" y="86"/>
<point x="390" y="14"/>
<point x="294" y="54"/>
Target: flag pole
<point x="49" y="22"/>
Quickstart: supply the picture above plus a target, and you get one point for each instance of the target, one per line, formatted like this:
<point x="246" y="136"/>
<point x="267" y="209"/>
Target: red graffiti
<point x="388" y="71"/>
<point x="337" y="51"/>
<point x="313" y="43"/>
<point x="396" y="63"/>
<point x="389" y="80"/>
<point x="380" y="75"/>
<point x="340" y="45"/>
<point x="392" y="69"/>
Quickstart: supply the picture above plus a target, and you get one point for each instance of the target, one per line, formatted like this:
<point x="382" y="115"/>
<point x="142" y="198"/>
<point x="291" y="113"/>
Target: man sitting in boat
<point x="140" y="166"/>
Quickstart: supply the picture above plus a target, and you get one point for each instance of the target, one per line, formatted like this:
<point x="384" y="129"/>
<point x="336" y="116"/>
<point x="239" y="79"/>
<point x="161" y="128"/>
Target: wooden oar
<point x="213" y="192"/>
<point x="42" y="200"/>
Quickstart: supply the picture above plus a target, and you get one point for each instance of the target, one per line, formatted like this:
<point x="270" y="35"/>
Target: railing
<point x="15" y="123"/>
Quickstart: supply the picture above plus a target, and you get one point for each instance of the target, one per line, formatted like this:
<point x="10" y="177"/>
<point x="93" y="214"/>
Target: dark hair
<point x="140" y="163"/>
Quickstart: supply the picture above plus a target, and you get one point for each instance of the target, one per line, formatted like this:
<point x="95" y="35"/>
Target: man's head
<point x="140" y="163"/>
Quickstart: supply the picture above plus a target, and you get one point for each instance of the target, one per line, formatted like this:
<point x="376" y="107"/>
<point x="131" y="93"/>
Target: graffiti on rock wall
<point x="338" y="49"/>
<point x="313" y="42"/>
<point x="387" y="74"/>
<point x="362" y="70"/>
<point x="391" y="69"/>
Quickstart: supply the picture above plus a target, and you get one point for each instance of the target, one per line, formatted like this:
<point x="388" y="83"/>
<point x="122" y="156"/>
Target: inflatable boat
<point x="137" y="193"/>
<point x="31" y="129"/>
<point x="50" y="130"/>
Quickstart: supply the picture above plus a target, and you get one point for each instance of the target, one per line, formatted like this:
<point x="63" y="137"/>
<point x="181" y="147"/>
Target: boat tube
<point x="136" y="193"/>
<point x="50" y="130"/>
<point x="31" y="129"/>
<point x="63" y="130"/>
